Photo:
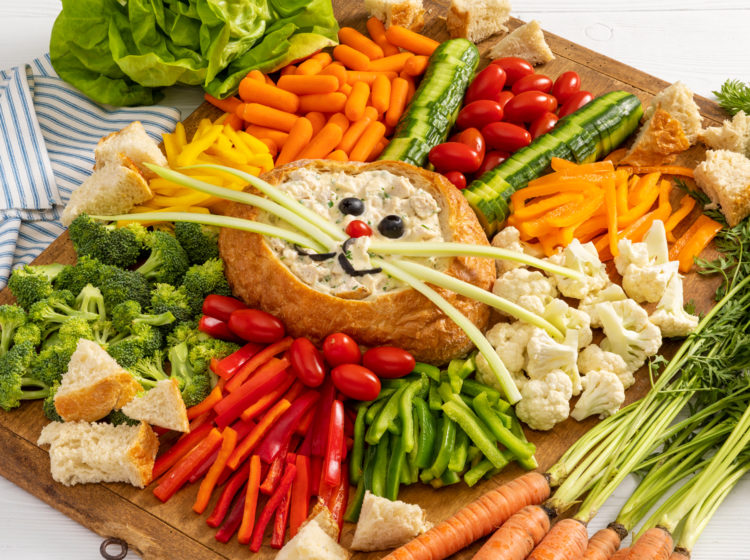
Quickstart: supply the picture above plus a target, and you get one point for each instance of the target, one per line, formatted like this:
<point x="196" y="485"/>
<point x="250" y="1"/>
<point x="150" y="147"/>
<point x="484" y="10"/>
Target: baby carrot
<point x="353" y="133"/>
<point x="288" y="70"/>
<point x="337" y="70"/>
<point x="351" y="58"/>
<point x="477" y="519"/>
<point x="338" y="155"/>
<point x="410" y="88"/>
<point x="369" y="77"/>
<point x="346" y="89"/>
<point x="269" y="81"/>
<point x="255" y="91"/>
<point x="397" y="104"/>
<point x="278" y="136"/>
<point x="209" y="482"/>
<point x="602" y="545"/>
<point x="353" y="38"/>
<point x="410" y="41"/>
<point x="228" y="105"/>
<point x="340" y="120"/>
<point x="256" y="75"/>
<point x="314" y="64"/>
<point x="566" y="541"/>
<point x="323" y="102"/>
<point x="234" y="121"/>
<point x="416" y="65"/>
<point x="378" y="149"/>
<point x="381" y="93"/>
<point x="517" y="537"/>
<point x="355" y="105"/>
<point x="654" y="544"/>
<point x="367" y="142"/>
<point x="393" y="63"/>
<point x="323" y="142"/>
<point x="317" y="119"/>
<point x="263" y="115"/>
<point x="304" y="85"/>
<point x="273" y="149"/>
<point x="376" y="29"/>
<point x="299" y="136"/>
<point x="323" y="57"/>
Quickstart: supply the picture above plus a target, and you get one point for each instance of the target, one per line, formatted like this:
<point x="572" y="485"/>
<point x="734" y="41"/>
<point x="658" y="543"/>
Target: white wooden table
<point x="701" y="43"/>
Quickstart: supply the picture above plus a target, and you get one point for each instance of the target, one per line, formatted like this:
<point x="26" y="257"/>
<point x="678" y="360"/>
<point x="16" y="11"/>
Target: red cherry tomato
<point x="358" y="228"/>
<point x="515" y="68"/>
<point x="492" y="160"/>
<point x="307" y="362"/>
<point x="507" y="137"/>
<point x="457" y="178"/>
<point x="221" y="307"/>
<point x="542" y="125"/>
<point x="533" y="82"/>
<point x="479" y="113"/>
<point x="255" y="325"/>
<point x="487" y="84"/>
<point x="217" y="329"/>
<point x="340" y="348"/>
<point x="356" y="382"/>
<point x="566" y="85"/>
<point x="388" y="361"/>
<point x="529" y="105"/>
<point x="474" y="139"/>
<point x="454" y="156"/>
<point x="575" y="102"/>
<point x="503" y="97"/>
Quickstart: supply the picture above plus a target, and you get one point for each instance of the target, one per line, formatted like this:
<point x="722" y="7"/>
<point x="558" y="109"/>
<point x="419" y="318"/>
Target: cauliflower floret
<point x="670" y="315"/>
<point x="530" y="289"/>
<point x="630" y="253"/>
<point x="594" y="358"/>
<point x="652" y="250"/>
<point x="544" y="401"/>
<point x="545" y="355"/>
<point x="582" y="258"/>
<point x="613" y="292"/>
<point x="509" y="341"/>
<point x="645" y="266"/>
<point x="603" y="394"/>
<point x="628" y="332"/>
<point x="567" y="318"/>
<point x="648" y="283"/>
<point x="507" y="238"/>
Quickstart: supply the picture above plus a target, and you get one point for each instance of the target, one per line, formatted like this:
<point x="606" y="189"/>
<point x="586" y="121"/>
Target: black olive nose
<point x="391" y="226"/>
<point x="352" y="206"/>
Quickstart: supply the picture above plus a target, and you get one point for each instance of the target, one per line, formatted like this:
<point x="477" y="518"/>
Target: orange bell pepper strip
<point x="541" y="207"/>
<point x="206" y="404"/>
<point x="587" y="172"/>
<point x="616" y="155"/>
<point x="267" y="400"/>
<point x="665" y="189"/>
<point x="228" y="443"/>
<point x="251" y="501"/>
<point x="246" y="446"/>
<point x="182" y="447"/>
<point x="696" y="242"/>
<point x="610" y="203"/>
<point x="591" y="228"/>
<point x="664" y="169"/>
<point x="687" y="203"/>
<point x="644" y="187"/>
<point x="519" y="198"/>
<point x="535" y="228"/>
<point x="621" y="184"/>
<point x="558" y="164"/>
<point x="256" y="361"/>
<point x="574" y="213"/>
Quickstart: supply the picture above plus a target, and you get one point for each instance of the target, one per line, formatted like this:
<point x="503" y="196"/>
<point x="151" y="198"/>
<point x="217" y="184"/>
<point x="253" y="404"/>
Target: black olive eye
<point x="352" y="206"/>
<point x="391" y="226"/>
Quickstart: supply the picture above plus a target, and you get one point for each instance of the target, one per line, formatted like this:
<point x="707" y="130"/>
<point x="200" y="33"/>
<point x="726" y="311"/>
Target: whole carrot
<point x="602" y="545"/>
<point x="353" y="38"/>
<point x="376" y="29"/>
<point x="410" y="41"/>
<point x="305" y="85"/>
<point x="397" y="104"/>
<point x="654" y="544"/>
<point x="517" y="537"/>
<point x="381" y="93"/>
<point x="265" y="116"/>
<point x="299" y="137"/>
<point x="680" y="554"/>
<point x="351" y="58"/>
<point x="255" y="91"/>
<point x="323" y="142"/>
<point x="355" y="105"/>
<point x="317" y="119"/>
<point x="323" y="102"/>
<point x="393" y="63"/>
<point x="566" y="541"/>
<point x="622" y="554"/>
<point x="367" y="142"/>
<point x="475" y="520"/>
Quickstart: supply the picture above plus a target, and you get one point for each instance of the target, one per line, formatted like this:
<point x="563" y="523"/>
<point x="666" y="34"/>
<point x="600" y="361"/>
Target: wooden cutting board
<point x="172" y="530"/>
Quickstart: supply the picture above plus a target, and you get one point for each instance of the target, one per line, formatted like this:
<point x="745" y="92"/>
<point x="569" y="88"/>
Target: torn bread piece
<point x="733" y="135"/>
<point x="132" y="142"/>
<point x="658" y="142"/>
<point x="725" y="177"/>
<point x="476" y="20"/>
<point x="677" y="100"/>
<point x="82" y="453"/>
<point x="406" y="13"/>
<point x="525" y="42"/>
<point x="161" y="406"/>
<point x="93" y="385"/>
<point x="315" y="540"/>
<point x="385" y="524"/>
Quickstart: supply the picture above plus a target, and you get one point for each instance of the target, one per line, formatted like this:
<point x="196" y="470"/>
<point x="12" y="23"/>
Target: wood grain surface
<point x="171" y="530"/>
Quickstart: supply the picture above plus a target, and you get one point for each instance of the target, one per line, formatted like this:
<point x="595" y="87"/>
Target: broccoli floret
<point x="143" y="341"/>
<point x="33" y="283"/>
<point x="105" y="334"/>
<point x="50" y="312"/>
<point x="50" y="411"/>
<point x="28" y="332"/>
<point x="194" y="384"/>
<point x="166" y="297"/>
<point x="91" y="300"/>
<point x="149" y="371"/>
<point x="167" y="262"/>
<point x="122" y="285"/>
<point x="200" y="242"/>
<point x="74" y="277"/>
<point x="52" y="361"/>
<point x="117" y="417"/>
<point x="204" y="279"/>
<point x="76" y="327"/>
<point x="203" y="351"/>
<point x="185" y="332"/>
<point x="129" y="313"/>
<point x="106" y="243"/>
<point x="14" y="385"/>
<point x="11" y="318"/>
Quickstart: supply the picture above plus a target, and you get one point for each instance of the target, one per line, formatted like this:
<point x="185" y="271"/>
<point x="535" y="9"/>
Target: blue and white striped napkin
<point x="48" y="131"/>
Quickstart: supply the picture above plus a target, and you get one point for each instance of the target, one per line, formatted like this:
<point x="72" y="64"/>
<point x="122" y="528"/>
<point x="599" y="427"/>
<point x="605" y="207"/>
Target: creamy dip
<point x="383" y="194"/>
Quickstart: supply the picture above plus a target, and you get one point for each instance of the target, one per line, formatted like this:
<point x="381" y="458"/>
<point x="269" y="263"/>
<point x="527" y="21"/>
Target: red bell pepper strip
<point x="235" y="482"/>
<point x="231" y="407"/>
<point x="271" y="505"/>
<point x="303" y="428"/>
<point x="339" y="498"/>
<point x="256" y="361"/>
<point x="242" y="429"/>
<point x="322" y="417"/>
<point x="316" y="467"/>
<point x="263" y="427"/>
<point x="260" y="406"/>
<point x="251" y="501"/>
<point x="209" y="483"/>
<point x="300" y="495"/>
<point x="180" y="472"/>
<point x="295" y="391"/>
<point x="221" y="307"/>
<point x="279" y="522"/>
<point x="273" y="476"/>
<point x="206" y="404"/>
<point x="199" y="421"/>
<point x="233" y="520"/>
<point x="217" y="329"/>
<point x="227" y="367"/>
<point x="334" y="445"/>
<point x="181" y="448"/>
<point x="281" y="433"/>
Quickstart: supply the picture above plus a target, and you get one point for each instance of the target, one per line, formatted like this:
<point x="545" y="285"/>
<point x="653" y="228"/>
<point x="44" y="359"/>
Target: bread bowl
<point x="398" y="316"/>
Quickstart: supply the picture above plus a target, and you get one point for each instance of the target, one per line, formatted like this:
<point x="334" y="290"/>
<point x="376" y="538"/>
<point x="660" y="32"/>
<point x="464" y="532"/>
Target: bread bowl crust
<point x="404" y="318"/>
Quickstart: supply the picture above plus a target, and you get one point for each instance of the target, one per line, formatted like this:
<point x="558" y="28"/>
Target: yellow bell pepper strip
<point x="687" y="203"/>
<point x="697" y="240"/>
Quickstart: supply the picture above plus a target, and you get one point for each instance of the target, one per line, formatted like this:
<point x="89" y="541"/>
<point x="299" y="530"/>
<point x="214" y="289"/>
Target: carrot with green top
<point x="255" y="91"/>
<point x="351" y="58"/>
<point x="353" y="38"/>
<point x="410" y="41"/>
<point x="517" y="537"/>
<point x="212" y="476"/>
<point x="622" y="554"/>
<point x="376" y="29"/>
<point x="299" y="136"/>
<point x="602" y="545"/>
<point x="654" y="544"/>
<point x="567" y="540"/>
<point x="355" y="105"/>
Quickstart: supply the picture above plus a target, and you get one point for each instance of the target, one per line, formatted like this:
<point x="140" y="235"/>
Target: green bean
<point x="519" y="448"/>
<point x="380" y="466"/>
<point x="431" y="371"/>
<point x="460" y="452"/>
<point x="447" y="443"/>
<point x="426" y="441"/>
<point x="358" y="447"/>
<point x="385" y="419"/>
<point x="457" y="411"/>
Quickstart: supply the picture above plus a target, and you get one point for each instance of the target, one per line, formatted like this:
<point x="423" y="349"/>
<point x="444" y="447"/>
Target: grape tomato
<point x="506" y="137"/>
<point x="356" y="382"/>
<point x="528" y="106"/>
<point x="457" y="178"/>
<point x="487" y="85"/>
<point x="566" y="85"/>
<point x="532" y="82"/>
<point x="473" y="138"/>
<point x="575" y="102"/>
<point x="358" y="228"/>
<point x="255" y="325"/>
<point x="340" y="348"/>
<point x="542" y="125"/>
<point x="389" y="362"/>
<point x="479" y="113"/>
<point x="515" y="68"/>
<point x="454" y="156"/>
<point x="307" y="362"/>
<point x="492" y="160"/>
<point x="503" y="98"/>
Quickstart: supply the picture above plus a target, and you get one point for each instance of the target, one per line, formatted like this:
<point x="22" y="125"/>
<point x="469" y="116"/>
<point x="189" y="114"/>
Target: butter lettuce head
<point x="122" y="52"/>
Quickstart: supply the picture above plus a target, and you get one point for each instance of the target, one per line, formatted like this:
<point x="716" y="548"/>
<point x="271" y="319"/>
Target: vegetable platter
<point x="157" y="530"/>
